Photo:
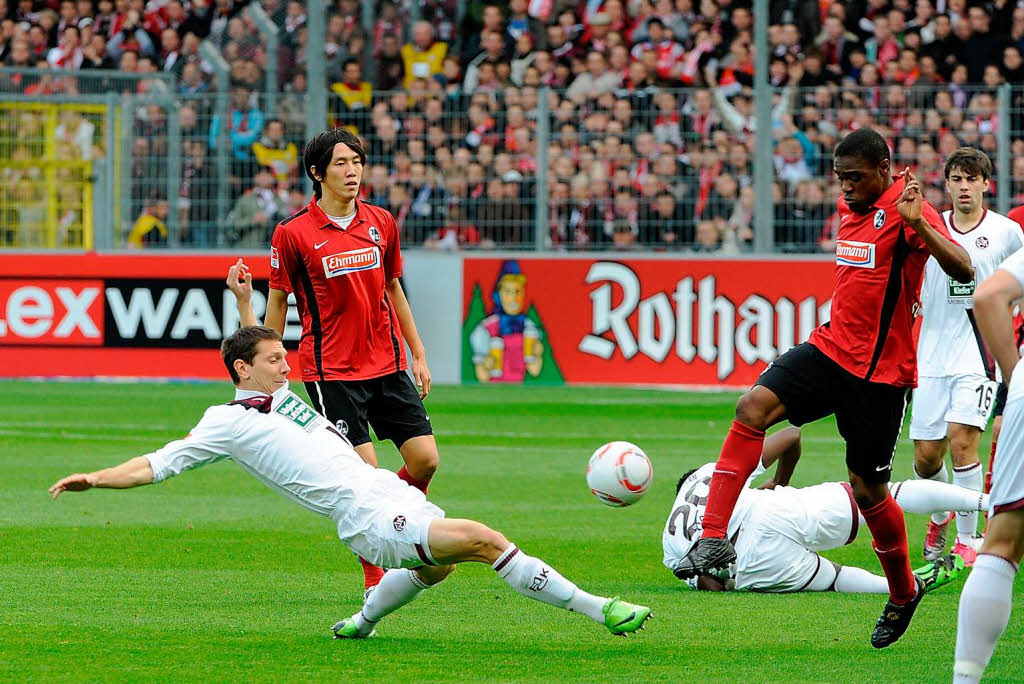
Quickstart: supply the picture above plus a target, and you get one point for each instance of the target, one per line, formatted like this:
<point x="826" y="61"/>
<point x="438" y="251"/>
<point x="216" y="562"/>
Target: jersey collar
<point x="889" y="197"/>
<point x="249" y="394"/>
<point x="324" y="223"/>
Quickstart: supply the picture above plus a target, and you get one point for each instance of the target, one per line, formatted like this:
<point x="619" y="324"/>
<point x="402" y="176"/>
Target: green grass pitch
<point x="213" y="577"/>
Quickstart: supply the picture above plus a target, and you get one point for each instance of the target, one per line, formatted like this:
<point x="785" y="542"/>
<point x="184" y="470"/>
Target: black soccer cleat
<point x="708" y="556"/>
<point x="895" y="619"/>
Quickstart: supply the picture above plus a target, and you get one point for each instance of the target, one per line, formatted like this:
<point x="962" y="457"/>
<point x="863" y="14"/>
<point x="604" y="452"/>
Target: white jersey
<point x="292" y="449"/>
<point x="685" y="523"/>
<point x="950" y="343"/>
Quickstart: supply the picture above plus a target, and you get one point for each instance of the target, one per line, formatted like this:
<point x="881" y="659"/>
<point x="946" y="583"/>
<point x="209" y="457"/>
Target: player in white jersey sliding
<point x="275" y="436"/>
<point x="988" y="594"/>
<point x="957" y="382"/>
<point x="777" y="530"/>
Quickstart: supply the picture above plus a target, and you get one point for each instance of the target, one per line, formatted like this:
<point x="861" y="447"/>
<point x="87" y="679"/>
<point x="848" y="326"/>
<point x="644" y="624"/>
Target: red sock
<point x="403" y="474"/>
<point x="991" y="464"/>
<point x="371" y="573"/>
<point x="889" y="538"/>
<point x="739" y="457"/>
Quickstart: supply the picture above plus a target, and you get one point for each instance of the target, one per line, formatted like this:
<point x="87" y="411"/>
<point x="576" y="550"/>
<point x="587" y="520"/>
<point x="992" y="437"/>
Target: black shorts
<point x="390" y="404"/>
<point x="869" y="414"/>
<point x="997" y="410"/>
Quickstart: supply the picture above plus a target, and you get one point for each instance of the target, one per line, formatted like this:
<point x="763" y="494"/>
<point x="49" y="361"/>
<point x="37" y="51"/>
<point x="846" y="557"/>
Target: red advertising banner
<point x="95" y="315"/>
<point x="637" y="322"/>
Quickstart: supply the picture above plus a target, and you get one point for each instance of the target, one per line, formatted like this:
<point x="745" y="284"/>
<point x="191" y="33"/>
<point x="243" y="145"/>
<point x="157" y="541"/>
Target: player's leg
<point x="344" y="404"/>
<point x="395" y="589"/>
<point x="870" y="418"/>
<point x="928" y="431"/>
<point x="397" y="413"/>
<point x="987" y="597"/>
<point x="458" y="541"/>
<point x="795" y="386"/>
<point x="925" y="497"/>
<point x="972" y="400"/>
<point x="846" y="579"/>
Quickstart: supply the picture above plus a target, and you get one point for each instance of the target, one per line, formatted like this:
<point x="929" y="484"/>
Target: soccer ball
<point x="619" y="473"/>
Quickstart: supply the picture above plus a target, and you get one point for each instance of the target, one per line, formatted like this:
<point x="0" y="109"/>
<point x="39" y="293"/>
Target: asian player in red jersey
<point x="859" y="366"/>
<point x="342" y="259"/>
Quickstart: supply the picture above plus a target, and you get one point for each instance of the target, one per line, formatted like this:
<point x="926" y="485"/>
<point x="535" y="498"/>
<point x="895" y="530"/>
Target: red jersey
<point x="350" y="330"/>
<point x="1017" y="214"/>
<point x="880" y="264"/>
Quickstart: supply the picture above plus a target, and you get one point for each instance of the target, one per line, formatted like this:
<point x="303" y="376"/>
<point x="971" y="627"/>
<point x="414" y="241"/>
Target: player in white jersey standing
<point x="987" y="597"/>
<point x="777" y="532"/>
<point x="272" y="434"/>
<point x="957" y="375"/>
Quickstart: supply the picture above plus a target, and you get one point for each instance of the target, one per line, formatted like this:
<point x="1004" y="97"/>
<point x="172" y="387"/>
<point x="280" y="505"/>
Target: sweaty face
<point x="967" y="190"/>
<point x="269" y="369"/>
<point x="861" y="182"/>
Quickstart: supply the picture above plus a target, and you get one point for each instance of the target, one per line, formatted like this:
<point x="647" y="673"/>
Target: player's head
<point x="255" y="358"/>
<point x="861" y="163"/>
<point x="335" y="159"/>
<point x="684" y="478"/>
<point x="967" y="172"/>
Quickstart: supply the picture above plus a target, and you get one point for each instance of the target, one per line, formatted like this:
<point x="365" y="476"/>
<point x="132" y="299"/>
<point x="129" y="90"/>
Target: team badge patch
<point x="982" y="242"/>
<point x="342" y="427"/>
<point x="374" y="233"/>
<point x="879" y="218"/>
<point x="275" y="261"/>
<point x="399" y="523"/>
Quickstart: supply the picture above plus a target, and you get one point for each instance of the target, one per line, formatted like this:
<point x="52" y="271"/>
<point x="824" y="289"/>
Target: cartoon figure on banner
<point x="507" y="344"/>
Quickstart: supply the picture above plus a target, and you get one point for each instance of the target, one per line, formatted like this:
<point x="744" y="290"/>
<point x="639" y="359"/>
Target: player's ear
<point x="884" y="166"/>
<point x="240" y="368"/>
<point x="312" y="172"/>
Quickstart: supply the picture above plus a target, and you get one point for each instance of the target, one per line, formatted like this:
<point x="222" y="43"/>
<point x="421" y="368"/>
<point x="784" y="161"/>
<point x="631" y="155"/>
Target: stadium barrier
<point x="586" y="319"/>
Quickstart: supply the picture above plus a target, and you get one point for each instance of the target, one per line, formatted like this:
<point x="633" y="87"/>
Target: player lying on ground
<point x="777" y="530"/>
<point x="276" y="437"/>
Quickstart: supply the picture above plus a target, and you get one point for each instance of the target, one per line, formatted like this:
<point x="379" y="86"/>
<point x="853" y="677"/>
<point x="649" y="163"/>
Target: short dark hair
<point x="865" y="144"/>
<point x="971" y="161"/>
<point x="684" y="478"/>
<point x="320" y="149"/>
<point x="241" y="344"/>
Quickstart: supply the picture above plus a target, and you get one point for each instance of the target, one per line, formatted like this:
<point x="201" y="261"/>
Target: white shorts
<point x="1008" y="470"/>
<point x="776" y="547"/>
<point x="964" y="399"/>
<point x="389" y="524"/>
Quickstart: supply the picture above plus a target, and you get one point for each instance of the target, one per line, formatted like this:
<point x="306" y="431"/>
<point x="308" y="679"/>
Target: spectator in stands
<point x="149" y="229"/>
<point x="244" y="125"/>
<point x="68" y="53"/>
<point x="422" y="58"/>
<point x="597" y="79"/>
<point x="252" y="220"/>
<point x="665" y="223"/>
<point x="355" y="97"/>
<point x="275" y="152"/>
<point x="131" y="36"/>
<point x="456" y="233"/>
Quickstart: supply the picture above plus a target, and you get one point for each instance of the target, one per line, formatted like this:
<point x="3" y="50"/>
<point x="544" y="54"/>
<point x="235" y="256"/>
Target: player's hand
<point x="421" y="373"/>
<point x="909" y="203"/>
<point x="78" y="482"/>
<point x="240" y="281"/>
<point x="770" y="484"/>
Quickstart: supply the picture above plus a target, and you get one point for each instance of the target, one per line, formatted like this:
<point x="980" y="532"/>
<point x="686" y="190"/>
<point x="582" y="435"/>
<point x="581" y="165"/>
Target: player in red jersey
<point x="859" y="366"/>
<point x="342" y="259"/>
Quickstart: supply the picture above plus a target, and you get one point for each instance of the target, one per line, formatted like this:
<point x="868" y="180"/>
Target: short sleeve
<point x="281" y="260"/>
<point x="209" y="441"/>
<point x="393" y="252"/>
<point x="1014" y="265"/>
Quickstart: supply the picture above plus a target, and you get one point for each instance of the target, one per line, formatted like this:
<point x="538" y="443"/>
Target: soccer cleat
<point x="346" y="629"/>
<point x="935" y="540"/>
<point x="895" y="619"/>
<point x="623" y="618"/>
<point x="708" y="556"/>
<point x="967" y="552"/>
<point x="943" y="571"/>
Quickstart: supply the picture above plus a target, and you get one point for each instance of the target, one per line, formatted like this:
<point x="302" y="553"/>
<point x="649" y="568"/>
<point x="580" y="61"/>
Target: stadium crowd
<point x="650" y="101"/>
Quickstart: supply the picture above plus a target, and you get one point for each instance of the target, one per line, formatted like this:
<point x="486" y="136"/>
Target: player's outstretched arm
<point x="131" y="473"/>
<point x="782" y="447"/>
<point x="953" y="258"/>
<point x="992" y="302"/>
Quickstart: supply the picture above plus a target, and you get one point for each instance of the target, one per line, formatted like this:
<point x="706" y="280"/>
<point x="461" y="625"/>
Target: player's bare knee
<point x="927" y="461"/>
<point x="488" y="544"/>
<point x="434" y="574"/>
<point x="868" y="494"/>
<point x="963" y="446"/>
<point x="753" y="409"/>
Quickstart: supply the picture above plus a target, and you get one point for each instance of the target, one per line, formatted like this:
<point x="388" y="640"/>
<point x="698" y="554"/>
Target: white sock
<point x="396" y="588"/>
<point x="985" y="605"/>
<point x="940" y="475"/>
<point x="969" y="477"/>
<point x="852" y="580"/>
<point x="925" y="496"/>
<point x="535" y="579"/>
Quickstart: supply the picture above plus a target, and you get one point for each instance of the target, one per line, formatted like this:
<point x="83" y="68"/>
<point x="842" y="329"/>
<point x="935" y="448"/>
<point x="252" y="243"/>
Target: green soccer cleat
<point x="346" y="629"/>
<point x="942" y="571"/>
<point x="623" y="618"/>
